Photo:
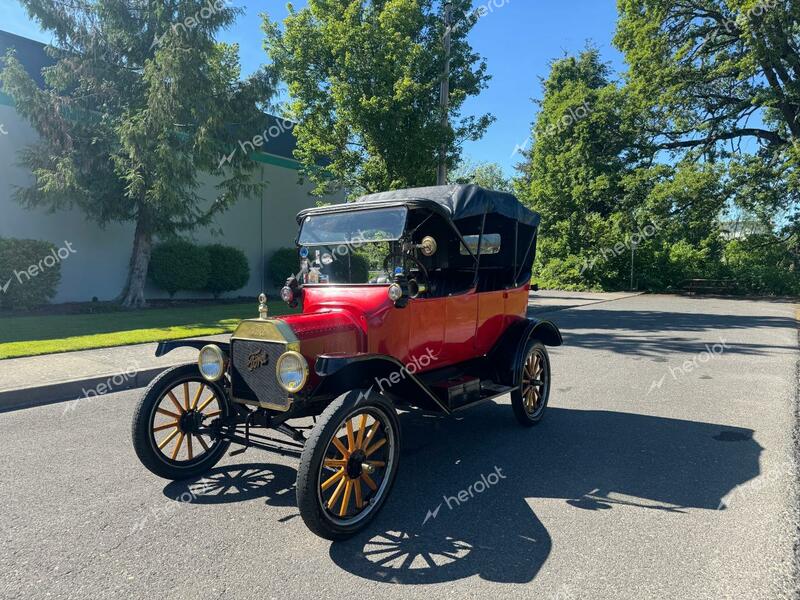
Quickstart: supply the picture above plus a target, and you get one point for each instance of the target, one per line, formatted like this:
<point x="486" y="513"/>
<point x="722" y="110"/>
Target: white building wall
<point x="99" y="265"/>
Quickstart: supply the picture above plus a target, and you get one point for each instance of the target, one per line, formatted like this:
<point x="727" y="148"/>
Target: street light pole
<point x="444" y="93"/>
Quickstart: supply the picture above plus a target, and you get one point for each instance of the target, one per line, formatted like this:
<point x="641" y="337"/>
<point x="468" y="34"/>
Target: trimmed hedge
<point x="30" y="271"/>
<point x="179" y="266"/>
<point x="229" y="270"/>
<point x="282" y="265"/>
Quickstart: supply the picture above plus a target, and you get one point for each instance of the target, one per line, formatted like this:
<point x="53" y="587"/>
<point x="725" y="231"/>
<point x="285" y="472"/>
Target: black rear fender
<point x="507" y="353"/>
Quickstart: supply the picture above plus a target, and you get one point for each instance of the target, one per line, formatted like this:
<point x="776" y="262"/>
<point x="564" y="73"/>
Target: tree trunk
<point x="132" y="295"/>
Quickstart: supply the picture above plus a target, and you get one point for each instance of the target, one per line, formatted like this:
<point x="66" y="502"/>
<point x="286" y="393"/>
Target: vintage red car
<point x="435" y="322"/>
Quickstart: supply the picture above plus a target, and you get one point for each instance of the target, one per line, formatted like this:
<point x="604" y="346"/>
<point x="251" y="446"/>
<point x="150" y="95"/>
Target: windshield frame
<point x="356" y="240"/>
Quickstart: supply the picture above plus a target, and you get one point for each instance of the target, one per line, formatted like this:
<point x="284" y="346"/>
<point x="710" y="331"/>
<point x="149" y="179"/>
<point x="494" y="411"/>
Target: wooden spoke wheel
<point x="530" y="400"/>
<point x="348" y="465"/>
<point x="170" y="425"/>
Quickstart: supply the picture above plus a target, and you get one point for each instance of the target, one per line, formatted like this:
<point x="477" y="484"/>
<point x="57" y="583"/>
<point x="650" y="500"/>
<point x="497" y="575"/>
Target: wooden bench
<point x="710" y="286"/>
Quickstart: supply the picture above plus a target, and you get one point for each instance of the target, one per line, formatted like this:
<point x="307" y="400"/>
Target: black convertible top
<point x="461" y="201"/>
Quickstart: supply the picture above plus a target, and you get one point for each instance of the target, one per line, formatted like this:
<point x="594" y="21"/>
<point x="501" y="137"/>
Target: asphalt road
<point x="665" y="468"/>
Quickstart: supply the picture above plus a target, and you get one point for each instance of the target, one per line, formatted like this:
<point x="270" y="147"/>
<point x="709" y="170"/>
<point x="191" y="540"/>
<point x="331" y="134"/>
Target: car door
<point x="460" y="321"/>
<point x="491" y="320"/>
<point x="426" y="331"/>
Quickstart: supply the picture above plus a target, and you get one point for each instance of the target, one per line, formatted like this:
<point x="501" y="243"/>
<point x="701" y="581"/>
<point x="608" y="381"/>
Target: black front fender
<point x="167" y="347"/>
<point x="384" y="374"/>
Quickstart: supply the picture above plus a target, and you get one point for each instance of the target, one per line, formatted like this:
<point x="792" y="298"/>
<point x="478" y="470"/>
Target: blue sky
<point x="518" y="38"/>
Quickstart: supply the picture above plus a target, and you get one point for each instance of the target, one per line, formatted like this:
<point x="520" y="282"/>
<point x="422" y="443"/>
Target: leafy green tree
<point x="141" y="99"/>
<point x="487" y="175"/>
<point x="721" y="83"/>
<point x="707" y="67"/>
<point x="575" y="171"/>
<point x="363" y="78"/>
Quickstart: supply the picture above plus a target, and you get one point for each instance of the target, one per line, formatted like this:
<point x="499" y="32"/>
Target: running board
<point x="463" y="392"/>
<point x="489" y="391"/>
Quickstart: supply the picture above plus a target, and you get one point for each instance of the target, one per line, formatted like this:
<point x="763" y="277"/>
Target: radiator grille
<point x="253" y="376"/>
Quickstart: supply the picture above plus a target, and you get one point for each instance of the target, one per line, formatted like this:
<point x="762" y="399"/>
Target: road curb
<point x="76" y="389"/>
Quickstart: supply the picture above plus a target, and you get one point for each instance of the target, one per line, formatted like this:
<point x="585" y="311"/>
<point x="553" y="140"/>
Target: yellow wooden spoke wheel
<point x="530" y="399"/>
<point x="171" y="424"/>
<point x="348" y="465"/>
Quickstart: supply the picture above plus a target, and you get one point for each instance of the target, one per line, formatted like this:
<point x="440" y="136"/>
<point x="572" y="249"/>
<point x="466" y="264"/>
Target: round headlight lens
<point x="211" y="362"/>
<point x="292" y="371"/>
<point x="287" y="295"/>
<point x="395" y="292"/>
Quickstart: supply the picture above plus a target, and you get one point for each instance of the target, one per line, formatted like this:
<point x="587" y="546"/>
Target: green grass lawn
<point x="29" y="336"/>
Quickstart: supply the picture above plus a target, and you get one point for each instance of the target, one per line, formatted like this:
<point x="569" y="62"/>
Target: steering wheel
<point x="392" y="260"/>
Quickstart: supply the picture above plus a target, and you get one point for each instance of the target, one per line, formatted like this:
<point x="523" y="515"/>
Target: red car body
<point x="363" y="320"/>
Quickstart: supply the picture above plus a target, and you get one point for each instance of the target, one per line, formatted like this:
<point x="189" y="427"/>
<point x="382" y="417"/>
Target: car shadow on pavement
<point x="466" y="496"/>
<point x="238" y="483"/>
<point x="620" y="331"/>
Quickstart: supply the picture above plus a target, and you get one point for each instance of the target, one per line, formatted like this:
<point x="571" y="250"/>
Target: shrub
<point x="30" y="271"/>
<point x="282" y="265"/>
<point x="761" y="266"/>
<point x="179" y="266"/>
<point x="356" y="272"/>
<point x="229" y="269"/>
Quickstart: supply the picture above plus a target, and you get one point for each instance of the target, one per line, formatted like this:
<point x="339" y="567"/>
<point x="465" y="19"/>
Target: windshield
<point x="363" y="263"/>
<point x="356" y="226"/>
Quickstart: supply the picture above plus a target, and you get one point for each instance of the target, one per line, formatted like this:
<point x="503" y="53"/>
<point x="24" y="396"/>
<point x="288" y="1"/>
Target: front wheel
<point x="168" y="420"/>
<point x="530" y="399"/>
<point x="348" y="465"/>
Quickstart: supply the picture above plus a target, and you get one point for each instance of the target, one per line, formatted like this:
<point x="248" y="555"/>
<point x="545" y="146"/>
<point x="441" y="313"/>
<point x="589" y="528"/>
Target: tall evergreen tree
<point x="574" y="172"/>
<point x="140" y="101"/>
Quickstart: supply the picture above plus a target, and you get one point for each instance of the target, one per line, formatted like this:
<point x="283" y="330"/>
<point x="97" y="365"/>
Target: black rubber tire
<point x="328" y="424"/>
<point x="517" y="401"/>
<point x="143" y="442"/>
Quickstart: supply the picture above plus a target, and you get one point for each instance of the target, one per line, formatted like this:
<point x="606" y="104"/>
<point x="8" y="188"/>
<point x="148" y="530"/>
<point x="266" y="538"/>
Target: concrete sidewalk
<point x="50" y="378"/>
<point x="37" y="380"/>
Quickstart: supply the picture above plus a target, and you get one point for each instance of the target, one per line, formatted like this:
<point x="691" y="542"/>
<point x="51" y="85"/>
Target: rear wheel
<point x="530" y="400"/>
<point x="167" y="421"/>
<point x="348" y="465"/>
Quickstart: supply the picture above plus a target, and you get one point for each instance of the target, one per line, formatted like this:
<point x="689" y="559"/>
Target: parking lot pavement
<point x="665" y="468"/>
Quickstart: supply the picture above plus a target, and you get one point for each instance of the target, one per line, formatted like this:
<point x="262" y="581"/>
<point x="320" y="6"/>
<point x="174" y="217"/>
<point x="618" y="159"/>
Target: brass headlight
<point x="292" y="371"/>
<point x="211" y="362"/>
